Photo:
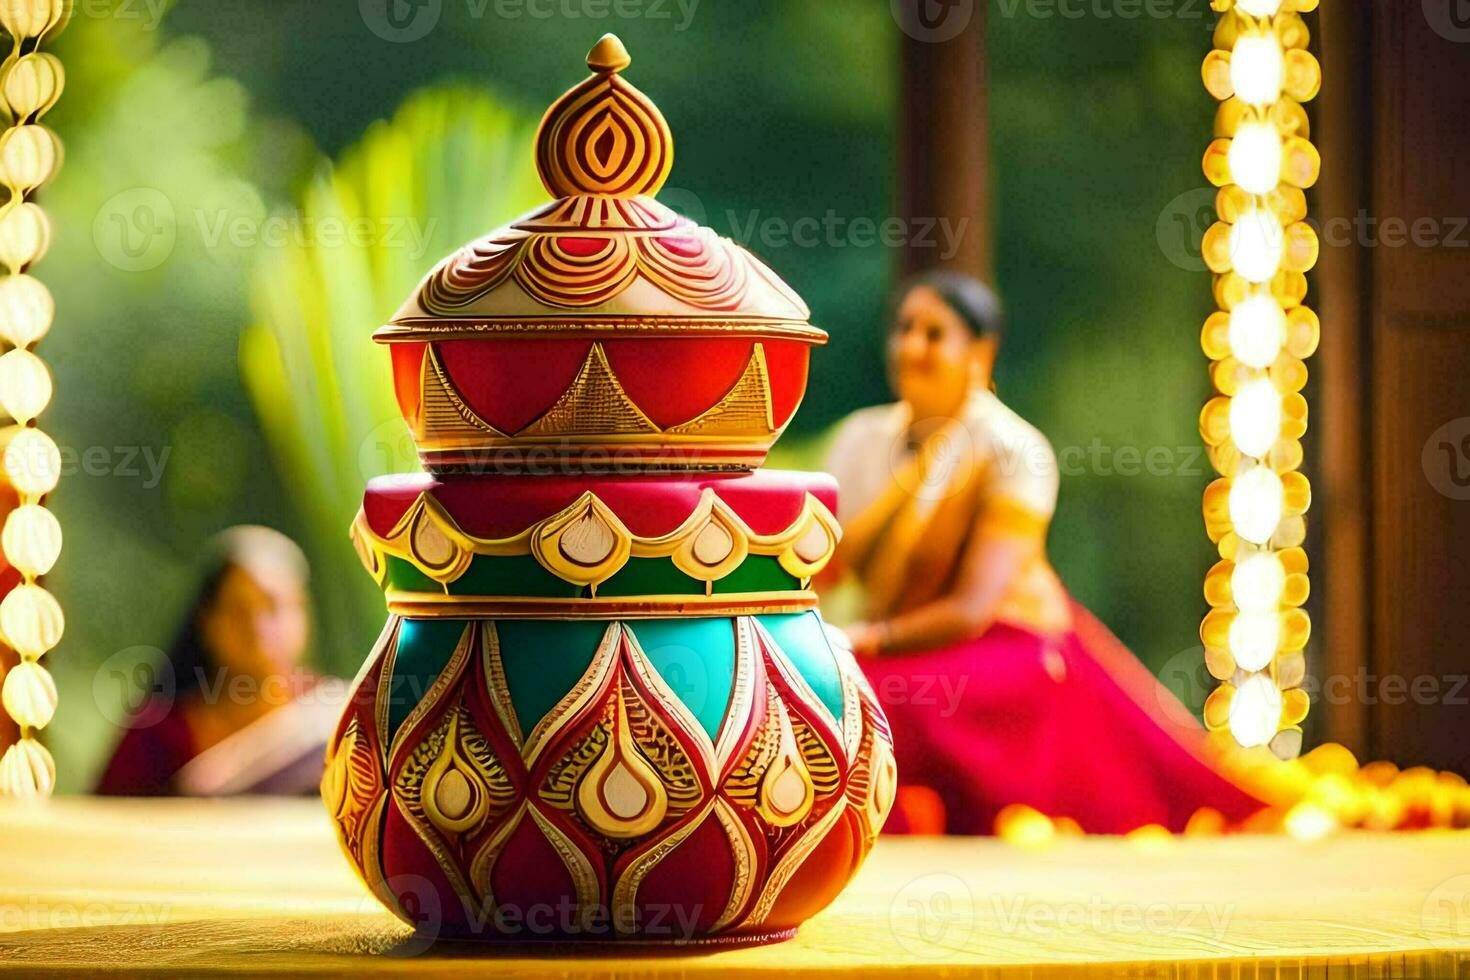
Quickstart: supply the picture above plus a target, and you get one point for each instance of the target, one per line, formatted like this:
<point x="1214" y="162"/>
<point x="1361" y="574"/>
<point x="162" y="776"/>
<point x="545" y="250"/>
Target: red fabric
<point x="500" y="506"/>
<point x="1074" y="727"/>
<point x="153" y="748"/>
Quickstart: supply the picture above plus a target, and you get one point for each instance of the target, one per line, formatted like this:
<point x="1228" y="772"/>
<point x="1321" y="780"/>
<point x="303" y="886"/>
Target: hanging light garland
<point x="1260" y="251"/>
<point x="31" y="621"/>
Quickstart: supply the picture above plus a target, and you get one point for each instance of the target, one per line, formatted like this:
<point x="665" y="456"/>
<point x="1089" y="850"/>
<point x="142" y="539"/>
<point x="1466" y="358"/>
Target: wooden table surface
<point x="256" y="887"/>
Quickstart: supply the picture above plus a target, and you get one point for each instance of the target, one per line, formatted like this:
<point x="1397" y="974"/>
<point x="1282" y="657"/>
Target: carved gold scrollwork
<point x="630" y="771"/>
<point x="854" y="721"/>
<point x="466" y="784"/>
<point x="483" y="862"/>
<point x="603" y="150"/>
<point x="352" y="786"/>
<point x="426" y="535"/>
<point x="577" y="863"/>
<point x="575" y="271"/>
<point x="493" y="664"/>
<point x="367" y="551"/>
<point x="791" y="772"/>
<point x="454" y="777"/>
<point x="595" y="404"/>
<point x="786" y="788"/>
<point x="784" y="769"/>
<point x="624" y="761"/>
<point x="410" y="760"/>
<point x="742" y="849"/>
<point x="696" y="266"/>
<point x="801" y="692"/>
<point x="883" y="784"/>
<point x="621" y="795"/>
<point x="471" y="272"/>
<point x="604" y="136"/>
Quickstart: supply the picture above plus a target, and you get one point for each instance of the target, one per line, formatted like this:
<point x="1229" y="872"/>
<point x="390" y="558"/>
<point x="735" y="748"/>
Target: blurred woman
<point x="232" y="708"/>
<point x="1000" y="689"/>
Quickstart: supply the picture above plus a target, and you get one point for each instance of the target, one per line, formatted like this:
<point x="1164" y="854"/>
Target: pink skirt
<point x="1073" y="726"/>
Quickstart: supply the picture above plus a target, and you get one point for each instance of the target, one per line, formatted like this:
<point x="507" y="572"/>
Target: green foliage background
<point x="233" y="111"/>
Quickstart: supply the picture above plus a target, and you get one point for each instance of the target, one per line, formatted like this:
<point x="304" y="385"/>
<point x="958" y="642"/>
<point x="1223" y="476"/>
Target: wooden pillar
<point x="1395" y="385"/>
<point x="944" y="151"/>
<point x="1341" y="535"/>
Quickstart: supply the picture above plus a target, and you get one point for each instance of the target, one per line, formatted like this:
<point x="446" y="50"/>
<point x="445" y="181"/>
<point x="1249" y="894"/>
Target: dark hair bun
<point x="974" y="302"/>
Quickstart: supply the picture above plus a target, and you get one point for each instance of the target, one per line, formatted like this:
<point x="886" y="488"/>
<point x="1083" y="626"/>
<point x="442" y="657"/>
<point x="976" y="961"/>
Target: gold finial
<point x="604" y="137"/>
<point x="608" y="56"/>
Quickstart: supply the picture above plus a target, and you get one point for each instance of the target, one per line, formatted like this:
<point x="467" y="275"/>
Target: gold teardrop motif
<point x="787" y="792"/>
<point x="713" y="544"/>
<point x="621" y="795"/>
<point x="624" y="795"/>
<point x="431" y="546"/>
<point x="814" y="542"/>
<point x="884" y="784"/>
<point x="587" y="541"/>
<point x="453" y="797"/>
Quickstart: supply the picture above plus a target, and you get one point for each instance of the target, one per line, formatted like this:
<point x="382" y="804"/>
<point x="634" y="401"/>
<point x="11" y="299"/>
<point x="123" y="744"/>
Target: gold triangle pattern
<point x="443" y="413"/>
<point x="595" y="404"/>
<point x="745" y="408"/>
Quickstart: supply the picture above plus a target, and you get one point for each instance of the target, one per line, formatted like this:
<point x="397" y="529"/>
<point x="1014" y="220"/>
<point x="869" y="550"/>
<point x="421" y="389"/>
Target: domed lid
<point x="604" y="249"/>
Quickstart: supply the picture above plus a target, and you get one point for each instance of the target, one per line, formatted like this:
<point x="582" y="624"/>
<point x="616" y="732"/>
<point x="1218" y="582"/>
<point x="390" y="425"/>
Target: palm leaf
<point x="450" y="164"/>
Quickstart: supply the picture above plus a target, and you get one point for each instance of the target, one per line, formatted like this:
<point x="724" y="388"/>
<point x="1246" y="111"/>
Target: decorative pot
<point x="604" y="705"/>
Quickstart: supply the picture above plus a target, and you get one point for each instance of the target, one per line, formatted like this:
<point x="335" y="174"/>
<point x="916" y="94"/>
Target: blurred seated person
<point x="232" y="708"/>
<point x="1000" y="689"/>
